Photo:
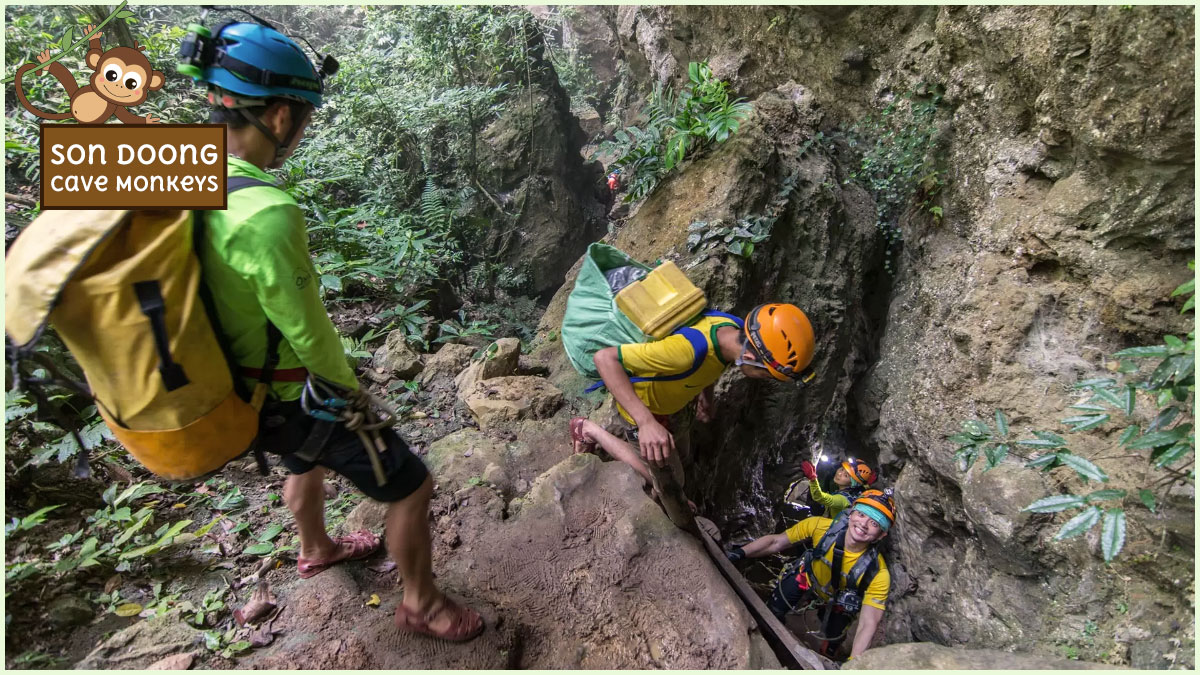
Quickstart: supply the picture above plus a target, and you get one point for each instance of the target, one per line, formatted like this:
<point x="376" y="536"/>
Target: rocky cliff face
<point x="1067" y="134"/>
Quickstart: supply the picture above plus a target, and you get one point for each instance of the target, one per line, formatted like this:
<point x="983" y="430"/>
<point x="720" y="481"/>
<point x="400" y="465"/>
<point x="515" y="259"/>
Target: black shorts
<point x="285" y="428"/>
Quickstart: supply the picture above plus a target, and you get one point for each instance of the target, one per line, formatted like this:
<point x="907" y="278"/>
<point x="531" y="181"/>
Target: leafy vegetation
<point x="676" y="127"/>
<point x="898" y="162"/>
<point x="1162" y="376"/>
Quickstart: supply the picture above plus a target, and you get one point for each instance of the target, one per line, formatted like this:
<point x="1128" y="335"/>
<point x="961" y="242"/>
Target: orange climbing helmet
<point x="783" y="338"/>
<point x="878" y="501"/>
<point x="859" y="470"/>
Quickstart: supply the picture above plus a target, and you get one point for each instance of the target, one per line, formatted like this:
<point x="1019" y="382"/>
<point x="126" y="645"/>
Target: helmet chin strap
<point x="280" y="146"/>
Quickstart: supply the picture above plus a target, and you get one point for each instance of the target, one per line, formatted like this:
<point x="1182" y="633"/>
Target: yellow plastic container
<point x="661" y="301"/>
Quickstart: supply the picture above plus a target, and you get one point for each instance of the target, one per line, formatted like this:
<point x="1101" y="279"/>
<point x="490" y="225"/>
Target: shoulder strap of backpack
<point x="738" y="321"/>
<point x="699" y="352"/>
<point x="865" y="569"/>
<point x="235" y="183"/>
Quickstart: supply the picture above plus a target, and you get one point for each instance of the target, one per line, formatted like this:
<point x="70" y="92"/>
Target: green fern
<point x="434" y="214"/>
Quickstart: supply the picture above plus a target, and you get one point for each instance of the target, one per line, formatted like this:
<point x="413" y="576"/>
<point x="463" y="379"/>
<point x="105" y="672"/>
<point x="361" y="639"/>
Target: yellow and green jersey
<point x="674" y="355"/>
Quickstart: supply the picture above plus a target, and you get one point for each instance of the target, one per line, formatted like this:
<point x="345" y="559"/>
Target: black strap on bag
<point x="274" y="336"/>
<point x="150" y="299"/>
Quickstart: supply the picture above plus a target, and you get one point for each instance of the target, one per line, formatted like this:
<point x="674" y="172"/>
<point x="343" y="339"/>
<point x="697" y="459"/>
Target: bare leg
<point x="668" y="488"/>
<point x="408" y="543"/>
<point x="304" y="495"/>
<point x="618" y="448"/>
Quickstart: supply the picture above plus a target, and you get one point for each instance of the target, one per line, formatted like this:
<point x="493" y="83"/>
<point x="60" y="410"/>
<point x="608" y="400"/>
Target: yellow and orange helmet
<point x="783" y="339"/>
<point x="860" y="471"/>
<point x="880" y="501"/>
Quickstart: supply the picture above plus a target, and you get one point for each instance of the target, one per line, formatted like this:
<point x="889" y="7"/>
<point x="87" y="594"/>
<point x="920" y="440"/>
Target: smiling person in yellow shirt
<point x="861" y="587"/>
<point x="653" y="383"/>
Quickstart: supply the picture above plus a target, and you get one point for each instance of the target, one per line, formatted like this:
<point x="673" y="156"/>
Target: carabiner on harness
<point x="328" y="402"/>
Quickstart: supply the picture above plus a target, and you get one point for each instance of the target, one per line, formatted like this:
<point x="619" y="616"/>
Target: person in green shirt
<point x="259" y="274"/>
<point x="852" y="478"/>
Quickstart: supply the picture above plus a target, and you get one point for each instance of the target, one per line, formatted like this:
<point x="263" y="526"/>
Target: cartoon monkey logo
<point x="121" y="77"/>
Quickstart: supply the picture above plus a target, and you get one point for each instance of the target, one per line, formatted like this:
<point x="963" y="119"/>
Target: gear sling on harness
<point x="839" y="595"/>
<point x="125" y="293"/>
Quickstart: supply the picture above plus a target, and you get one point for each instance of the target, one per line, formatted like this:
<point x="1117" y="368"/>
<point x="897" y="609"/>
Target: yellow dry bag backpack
<point x="124" y="291"/>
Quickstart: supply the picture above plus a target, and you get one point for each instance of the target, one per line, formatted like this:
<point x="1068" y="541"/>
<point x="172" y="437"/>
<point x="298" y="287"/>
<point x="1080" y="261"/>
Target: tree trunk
<point x="117" y="28"/>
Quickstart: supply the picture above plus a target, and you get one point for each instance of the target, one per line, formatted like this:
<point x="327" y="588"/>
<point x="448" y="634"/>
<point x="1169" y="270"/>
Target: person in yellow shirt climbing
<point x="852" y="477"/>
<point x="653" y="383"/>
<point x="848" y="545"/>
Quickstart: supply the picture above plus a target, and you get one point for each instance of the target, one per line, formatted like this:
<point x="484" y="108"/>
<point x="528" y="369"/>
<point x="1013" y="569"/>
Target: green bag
<point x="592" y="320"/>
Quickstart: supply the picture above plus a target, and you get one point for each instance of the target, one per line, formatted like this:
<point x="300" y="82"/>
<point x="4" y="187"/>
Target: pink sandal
<point x="361" y="544"/>
<point x="577" y="436"/>
<point x="465" y="623"/>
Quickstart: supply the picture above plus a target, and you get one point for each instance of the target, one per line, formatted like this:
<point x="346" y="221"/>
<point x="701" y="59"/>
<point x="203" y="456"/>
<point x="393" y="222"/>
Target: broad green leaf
<point x="1174" y="454"/>
<point x="133" y="529"/>
<point x="1056" y="503"/>
<point x="1039" y="443"/>
<point x="1112" y="533"/>
<point x="271" y="532"/>
<point x="137" y="491"/>
<point x="1128" y="400"/>
<point x="1105" y="495"/>
<point x="1173" y="342"/>
<point x="1045" y="439"/>
<point x="1001" y="422"/>
<point x="332" y="282"/>
<point x="1189" y="305"/>
<point x="1147" y="498"/>
<point x="1085" y="422"/>
<point x="995" y="454"/>
<point x="1107" y="396"/>
<point x="1129" y="434"/>
<point x="963" y="439"/>
<point x="1164" y="419"/>
<point x="977" y="428"/>
<point x="1084" y="468"/>
<point x="1079" y="524"/>
<point x="1188" y="286"/>
<point x="1090" y="407"/>
<point x="1044" y="462"/>
<point x="259" y="549"/>
<point x="1160" y="438"/>
<point x="128" y="609"/>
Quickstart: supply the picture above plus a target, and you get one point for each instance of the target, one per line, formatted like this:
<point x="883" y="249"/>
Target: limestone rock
<point x="396" y="357"/>
<point x="446" y="362"/>
<point x="499" y="359"/>
<point x="174" y="662"/>
<point x="464" y="454"/>
<point x="143" y="643"/>
<point x="368" y="515"/>
<point x="68" y="610"/>
<point x="508" y="399"/>
<point x="929" y="656"/>
<point x="588" y="536"/>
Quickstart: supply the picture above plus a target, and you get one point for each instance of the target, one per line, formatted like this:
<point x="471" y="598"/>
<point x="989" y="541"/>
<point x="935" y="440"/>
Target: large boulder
<point x="499" y="400"/>
<point x="397" y="358"/>
<point x="591" y="570"/>
<point x="499" y="359"/>
<point x="446" y="363"/>
<point x="143" y="643"/>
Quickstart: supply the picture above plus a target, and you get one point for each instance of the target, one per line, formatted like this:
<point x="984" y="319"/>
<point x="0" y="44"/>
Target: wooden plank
<point x="785" y="644"/>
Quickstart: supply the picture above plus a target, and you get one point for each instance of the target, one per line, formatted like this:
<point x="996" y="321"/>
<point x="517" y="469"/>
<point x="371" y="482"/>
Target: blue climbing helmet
<point x="251" y="61"/>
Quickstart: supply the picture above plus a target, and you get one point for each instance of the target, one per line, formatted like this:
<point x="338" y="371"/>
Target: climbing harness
<point x="839" y="596"/>
<point x="356" y="410"/>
